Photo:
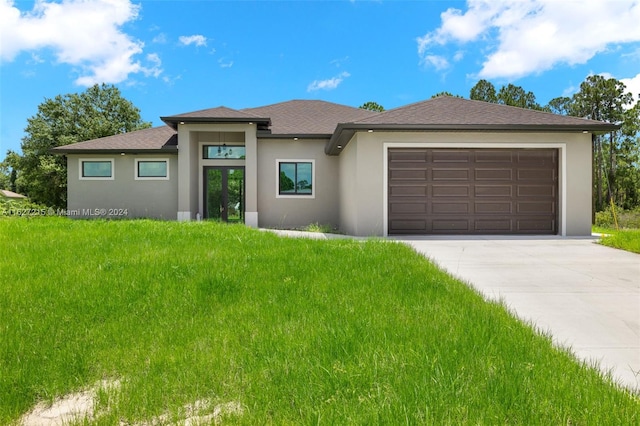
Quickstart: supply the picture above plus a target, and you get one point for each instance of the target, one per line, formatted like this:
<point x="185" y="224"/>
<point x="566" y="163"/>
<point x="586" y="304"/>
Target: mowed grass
<point x="624" y="239"/>
<point x="297" y="331"/>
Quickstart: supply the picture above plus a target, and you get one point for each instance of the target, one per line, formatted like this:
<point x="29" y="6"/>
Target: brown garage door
<point x="473" y="191"/>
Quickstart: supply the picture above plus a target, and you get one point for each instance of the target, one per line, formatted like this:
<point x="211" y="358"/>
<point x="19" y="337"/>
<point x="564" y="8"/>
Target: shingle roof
<point x="218" y="114"/>
<point x="452" y="111"/>
<point x="156" y="138"/>
<point x="448" y="113"/>
<point x="339" y="122"/>
<point x="303" y="117"/>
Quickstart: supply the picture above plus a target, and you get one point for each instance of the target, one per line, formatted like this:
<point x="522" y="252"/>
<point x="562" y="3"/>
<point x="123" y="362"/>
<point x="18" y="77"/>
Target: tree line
<point x="102" y="111"/>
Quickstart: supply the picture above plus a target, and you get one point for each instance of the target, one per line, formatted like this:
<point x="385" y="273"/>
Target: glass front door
<point x="224" y="194"/>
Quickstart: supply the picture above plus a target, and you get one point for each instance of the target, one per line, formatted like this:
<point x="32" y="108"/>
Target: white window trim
<point x="313" y="179"/>
<point x="135" y="169"/>
<point x="102" y="160"/>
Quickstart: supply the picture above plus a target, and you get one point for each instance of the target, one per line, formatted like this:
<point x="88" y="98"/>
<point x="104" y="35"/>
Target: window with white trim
<point x="95" y="169"/>
<point x="152" y="169"/>
<point x="295" y="178"/>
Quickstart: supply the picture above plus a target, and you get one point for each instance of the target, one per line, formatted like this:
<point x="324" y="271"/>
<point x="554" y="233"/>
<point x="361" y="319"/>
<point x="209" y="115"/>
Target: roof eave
<point x="267" y="135"/>
<point x="345" y="131"/>
<point x="167" y="150"/>
<point x="174" y="121"/>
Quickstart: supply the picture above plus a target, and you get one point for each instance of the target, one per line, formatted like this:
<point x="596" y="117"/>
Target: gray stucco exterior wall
<point x="363" y="168"/>
<point x="123" y="196"/>
<point x="296" y="211"/>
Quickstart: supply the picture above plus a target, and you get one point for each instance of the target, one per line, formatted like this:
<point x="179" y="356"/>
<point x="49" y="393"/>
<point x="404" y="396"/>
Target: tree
<point x="507" y="95"/>
<point x="439" y="94"/>
<point x="484" y="91"/>
<point x="98" y="112"/>
<point x="606" y="99"/>
<point x="561" y="105"/>
<point x="5" y="176"/>
<point x="372" y="106"/>
<point x="518" y="97"/>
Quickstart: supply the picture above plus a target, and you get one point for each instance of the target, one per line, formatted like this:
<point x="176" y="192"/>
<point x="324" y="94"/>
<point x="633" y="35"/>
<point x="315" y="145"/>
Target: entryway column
<point x="251" y="176"/>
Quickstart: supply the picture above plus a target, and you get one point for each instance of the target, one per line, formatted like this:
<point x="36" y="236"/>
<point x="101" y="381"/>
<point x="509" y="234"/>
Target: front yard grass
<point x="624" y="239"/>
<point x="296" y="331"/>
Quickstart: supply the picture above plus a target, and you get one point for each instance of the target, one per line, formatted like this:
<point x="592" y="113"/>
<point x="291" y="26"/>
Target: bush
<point x="626" y="218"/>
<point x="21" y="207"/>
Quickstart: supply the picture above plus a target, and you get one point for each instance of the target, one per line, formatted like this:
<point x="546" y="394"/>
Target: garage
<point x="472" y="191"/>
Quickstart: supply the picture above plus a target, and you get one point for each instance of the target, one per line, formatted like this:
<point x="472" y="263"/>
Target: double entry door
<point x="224" y="193"/>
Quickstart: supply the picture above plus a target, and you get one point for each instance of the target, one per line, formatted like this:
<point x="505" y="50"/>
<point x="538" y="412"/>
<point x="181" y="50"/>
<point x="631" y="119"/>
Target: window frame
<point x="280" y="161"/>
<point x="82" y="161"/>
<point x="136" y="171"/>
<point x="224" y="146"/>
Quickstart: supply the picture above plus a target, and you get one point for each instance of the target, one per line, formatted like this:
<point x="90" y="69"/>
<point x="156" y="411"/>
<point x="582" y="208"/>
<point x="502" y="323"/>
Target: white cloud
<point x="633" y="86"/>
<point x="534" y="36"/>
<point x="197" y="39"/>
<point x="328" y="84"/>
<point x="438" y="62"/>
<point x="82" y="33"/>
<point x="224" y="63"/>
<point x="160" y="38"/>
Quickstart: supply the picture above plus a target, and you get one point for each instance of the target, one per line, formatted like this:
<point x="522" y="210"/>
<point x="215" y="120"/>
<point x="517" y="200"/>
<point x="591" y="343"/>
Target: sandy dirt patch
<point x="80" y="406"/>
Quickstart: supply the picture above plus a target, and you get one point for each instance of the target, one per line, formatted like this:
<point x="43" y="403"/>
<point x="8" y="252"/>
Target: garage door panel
<point x="408" y="155"/>
<point x="496" y="207"/>
<point x="419" y="175"/>
<point x="535" y="226"/>
<point x="494" y="174"/>
<point x="450" y="174"/>
<point x="451" y="225"/>
<point x="494" y="156"/>
<point x="536" y="156"/>
<point x="413" y="226"/>
<point x="493" y="190"/>
<point x="494" y="225"/>
<point x="410" y="164"/>
<point x="450" y="156"/>
<point x="450" y="191"/>
<point x="450" y="208"/>
<point x="467" y="191"/>
<point x="536" y="207"/>
<point x="532" y="191"/>
<point x="536" y="175"/>
<point x="402" y="208"/>
<point x="409" y="190"/>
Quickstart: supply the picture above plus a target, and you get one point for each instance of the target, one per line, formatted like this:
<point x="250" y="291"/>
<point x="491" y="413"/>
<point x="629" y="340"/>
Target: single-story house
<point x="5" y="193"/>
<point x="442" y="166"/>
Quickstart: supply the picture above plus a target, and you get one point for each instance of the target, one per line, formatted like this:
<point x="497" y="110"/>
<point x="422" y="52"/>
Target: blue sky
<point x="170" y="57"/>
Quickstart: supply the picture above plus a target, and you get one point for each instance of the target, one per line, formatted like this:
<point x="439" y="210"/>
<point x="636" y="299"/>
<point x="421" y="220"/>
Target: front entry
<point x="224" y="193"/>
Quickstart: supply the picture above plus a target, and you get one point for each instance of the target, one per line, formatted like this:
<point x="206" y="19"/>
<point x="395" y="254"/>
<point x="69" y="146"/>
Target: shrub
<point x="625" y="218"/>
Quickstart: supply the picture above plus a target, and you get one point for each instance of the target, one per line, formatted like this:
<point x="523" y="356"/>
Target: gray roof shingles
<point x="448" y="110"/>
<point x="303" y="117"/>
<point x="153" y="139"/>
<point x="325" y="119"/>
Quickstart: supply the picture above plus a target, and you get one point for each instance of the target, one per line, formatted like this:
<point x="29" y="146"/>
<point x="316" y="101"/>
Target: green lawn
<point x="296" y="331"/>
<point x="624" y="239"/>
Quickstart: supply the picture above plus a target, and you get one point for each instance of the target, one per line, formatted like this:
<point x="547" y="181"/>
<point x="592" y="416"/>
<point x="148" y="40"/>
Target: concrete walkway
<point x="586" y="295"/>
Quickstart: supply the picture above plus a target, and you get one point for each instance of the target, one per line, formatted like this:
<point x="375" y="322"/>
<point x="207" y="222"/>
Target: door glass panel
<point x="235" y="198"/>
<point x="224" y="194"/>
<point x="214" y="200"/>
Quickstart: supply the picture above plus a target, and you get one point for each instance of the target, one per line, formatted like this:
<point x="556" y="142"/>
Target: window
<point x="152" y="169"/>
<point x="96" y="169"/>
<point x="223" y="152"/>
<point x="295" y="178"/>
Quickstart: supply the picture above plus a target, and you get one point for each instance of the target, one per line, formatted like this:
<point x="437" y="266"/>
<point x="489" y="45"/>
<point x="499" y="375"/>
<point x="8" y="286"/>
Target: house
<point x="442" y="166"/>
<point x="10" y="195"/>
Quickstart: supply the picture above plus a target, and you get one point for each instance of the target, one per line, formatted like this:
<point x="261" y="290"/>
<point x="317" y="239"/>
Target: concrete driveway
<point x="586" y="295"/>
